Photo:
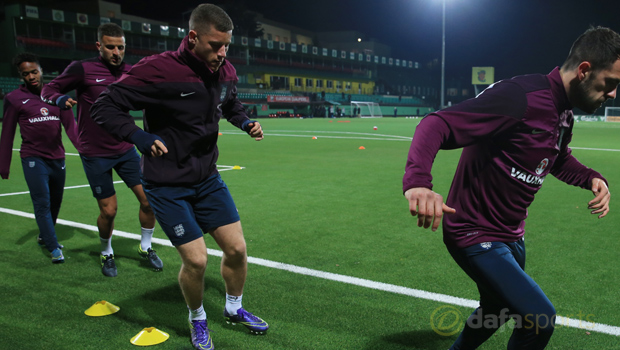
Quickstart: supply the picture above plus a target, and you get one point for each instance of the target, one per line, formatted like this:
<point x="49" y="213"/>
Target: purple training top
<point x="513" y="134"/>
<point x="89" y="78"/>
<point x="39" y="124"/>
<point x="183" y="101"/>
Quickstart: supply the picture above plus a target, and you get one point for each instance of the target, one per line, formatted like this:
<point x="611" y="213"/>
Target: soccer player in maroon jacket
<point x="184" y="94"/>
<point x="99" y="151"/>
<point x="513" y="134"/>
<point x="42" y="152"/>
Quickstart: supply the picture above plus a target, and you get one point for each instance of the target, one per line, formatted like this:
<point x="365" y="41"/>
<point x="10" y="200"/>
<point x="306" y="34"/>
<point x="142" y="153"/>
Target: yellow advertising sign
<point x="483" y="75"/>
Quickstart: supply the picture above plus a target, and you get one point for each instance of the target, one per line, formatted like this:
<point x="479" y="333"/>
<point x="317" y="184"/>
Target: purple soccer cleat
<point x="201" y="339"/>
<point x="255" y="324"/>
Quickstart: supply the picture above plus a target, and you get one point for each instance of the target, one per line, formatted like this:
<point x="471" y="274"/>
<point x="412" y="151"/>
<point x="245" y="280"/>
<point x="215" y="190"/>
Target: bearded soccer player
<point x="514" y="134"/>
<point x="99" y="151"/>
<point x="42" y="152"/>
<point x="184" y="94"/>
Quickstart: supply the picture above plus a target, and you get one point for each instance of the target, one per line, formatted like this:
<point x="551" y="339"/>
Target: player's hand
<point x="600" y="203"/>
<point x="428" y="206"/>
<point x="256" y="131"/>
<point x="148" y="144"/>
<point x="158" y="149"/>
<point x="70" y="103"/>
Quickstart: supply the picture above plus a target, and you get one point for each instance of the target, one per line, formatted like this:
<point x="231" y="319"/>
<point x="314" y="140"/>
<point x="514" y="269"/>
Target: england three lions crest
<point x="542" y="166"/>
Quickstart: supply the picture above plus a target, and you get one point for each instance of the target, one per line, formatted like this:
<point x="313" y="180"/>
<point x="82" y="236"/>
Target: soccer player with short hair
<point x="41" y="151"/>
<point x="184" y="94"/>
<point x="99" y="151"/>
<point x="513" y="134"/>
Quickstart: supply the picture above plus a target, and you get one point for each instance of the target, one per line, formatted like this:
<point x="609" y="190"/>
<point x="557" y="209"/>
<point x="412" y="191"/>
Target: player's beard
<point x="582" y="96"/>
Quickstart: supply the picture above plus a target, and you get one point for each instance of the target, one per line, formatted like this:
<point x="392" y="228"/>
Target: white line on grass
<point x="597" y="149"/>
<point x="330" y="137"/>
<point x="219" y="168"/>
<point x="66" y="188"/>
<point x="389" y="137"/>
<point x="416" y="293"/>
<point x="347" y="133"/>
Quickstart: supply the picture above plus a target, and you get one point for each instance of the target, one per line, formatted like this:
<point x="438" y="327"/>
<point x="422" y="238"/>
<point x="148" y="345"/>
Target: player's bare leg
<point x="105" y="224"/>
<point x="147" y="227"/>
<point x="234" y="270"/>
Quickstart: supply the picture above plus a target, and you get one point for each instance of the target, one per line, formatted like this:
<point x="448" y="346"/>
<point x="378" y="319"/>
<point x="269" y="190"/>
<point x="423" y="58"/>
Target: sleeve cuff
<point x="61" y="101"/>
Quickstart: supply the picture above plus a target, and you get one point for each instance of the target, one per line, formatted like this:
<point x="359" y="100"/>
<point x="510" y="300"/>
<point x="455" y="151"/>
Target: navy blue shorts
<point x="99" y="172"/>
<point x="185" y="212"/>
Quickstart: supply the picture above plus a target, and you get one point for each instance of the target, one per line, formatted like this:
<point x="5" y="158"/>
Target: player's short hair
<point x="25" y="57"/>
<point x="206" y="15"/>
<point x="109" y="29"/>
<point x="598" y="45"/>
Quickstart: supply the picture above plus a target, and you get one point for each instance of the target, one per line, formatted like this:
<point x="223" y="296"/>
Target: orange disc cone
<point x="362" y="147"/>
<point x="102" y="308"/>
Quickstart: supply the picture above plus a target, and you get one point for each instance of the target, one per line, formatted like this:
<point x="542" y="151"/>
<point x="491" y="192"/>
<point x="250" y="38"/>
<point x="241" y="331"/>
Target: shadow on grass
<point x="166" y="306"/>
<point x="419" y="340"/>
<point x="63" y="233"/>
<point x="124" y="253"/>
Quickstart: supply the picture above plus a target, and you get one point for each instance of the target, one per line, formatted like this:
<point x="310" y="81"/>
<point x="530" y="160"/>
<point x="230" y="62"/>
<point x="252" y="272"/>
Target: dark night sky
<point x="514" y="36"/>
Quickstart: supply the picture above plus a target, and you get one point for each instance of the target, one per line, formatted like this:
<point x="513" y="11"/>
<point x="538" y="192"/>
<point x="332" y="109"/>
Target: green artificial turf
<point x="322" y="204"/>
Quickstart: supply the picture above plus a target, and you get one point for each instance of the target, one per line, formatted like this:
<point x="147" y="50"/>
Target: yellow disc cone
<point x="149" y="336"/>
<point x="236" y="167"/>
<point x="102" y="308"/>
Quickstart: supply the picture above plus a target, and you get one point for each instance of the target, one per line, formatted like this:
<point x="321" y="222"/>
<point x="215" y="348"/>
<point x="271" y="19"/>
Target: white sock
<point x="145" y="241"/>
<point x="233" y="304"/>
<point x="106" y="246"/>
<point x="198" y="314"/>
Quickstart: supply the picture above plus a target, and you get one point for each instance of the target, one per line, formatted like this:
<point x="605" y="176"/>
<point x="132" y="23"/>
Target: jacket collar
<point x="560" y="98"/>
<point x="194" y="62"/>
<point x="111" y="67"/>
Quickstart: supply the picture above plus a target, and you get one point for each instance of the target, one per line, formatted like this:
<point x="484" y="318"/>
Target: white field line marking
<point x="66" y="188"/>
<point x="389" y="137"/>
<point x="393" y="138"/>
<point x="416" y="293"/>
<point x="330" y="137"/>
<point x="346" y="133"/>
<point x="219" y="168"/>
<point x="597" y="149"/>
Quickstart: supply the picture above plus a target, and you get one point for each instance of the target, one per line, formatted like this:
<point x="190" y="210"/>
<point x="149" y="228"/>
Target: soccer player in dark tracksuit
<point x="42" y="152"/>
<point x="514" y="134"/>
<point x="184" y="94"/>
<point x="99" y="151"/>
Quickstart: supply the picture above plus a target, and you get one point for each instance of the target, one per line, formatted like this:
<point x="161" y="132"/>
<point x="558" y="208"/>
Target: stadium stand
<point x="324" y="76"/>
<point x="8" y="84"/>
<point x="28" y="42"/>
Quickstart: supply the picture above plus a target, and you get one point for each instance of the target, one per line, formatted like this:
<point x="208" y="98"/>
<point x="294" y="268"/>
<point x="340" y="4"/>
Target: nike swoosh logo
<point x="24" y="102"/>
<point x="99" y="80"/>
<point x="183" y="94"/>
<point x="63" y="168"/>
<point x="536" y="131"/>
